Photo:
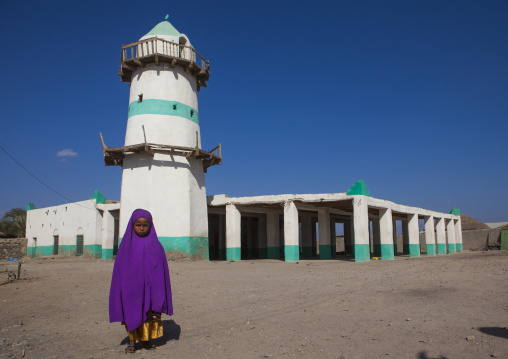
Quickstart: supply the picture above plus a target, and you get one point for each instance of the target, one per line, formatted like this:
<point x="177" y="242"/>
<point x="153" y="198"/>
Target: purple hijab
<point x="140" y="279"/>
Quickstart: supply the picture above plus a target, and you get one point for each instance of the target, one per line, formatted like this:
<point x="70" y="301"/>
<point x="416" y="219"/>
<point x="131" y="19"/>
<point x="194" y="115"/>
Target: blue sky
<point x="305" y="97"/>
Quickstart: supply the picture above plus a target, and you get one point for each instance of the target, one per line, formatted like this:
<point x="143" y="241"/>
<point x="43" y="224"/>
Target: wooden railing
<point x="154" y="45"/>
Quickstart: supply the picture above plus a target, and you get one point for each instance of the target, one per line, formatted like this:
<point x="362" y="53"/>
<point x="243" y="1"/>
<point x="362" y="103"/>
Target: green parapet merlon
<point x="387" y="251"/>
<point x="431" y="249"/>
<point x="291" y="253"/>
<point x="99" y="198"/>
<point x="30" y="206"/>
<point x="359" y="188"/>
<point x="234" y="254"/>
<point x="455" y="211"/>
<point x="362" y="252"/>
<point x="273" y="252"/>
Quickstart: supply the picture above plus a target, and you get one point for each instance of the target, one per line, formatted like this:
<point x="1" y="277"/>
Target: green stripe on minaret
<point x="163" y="107"/>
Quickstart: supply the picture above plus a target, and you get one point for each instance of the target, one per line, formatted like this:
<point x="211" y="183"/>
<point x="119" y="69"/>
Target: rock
<point x="470" y="338"/>
<point x="408" y="319"/>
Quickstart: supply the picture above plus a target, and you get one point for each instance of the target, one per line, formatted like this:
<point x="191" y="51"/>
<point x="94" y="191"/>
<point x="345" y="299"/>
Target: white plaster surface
<point x="233" y="227"/>
<point x="291" y="226"/>
<point x="324" y="227"/>
<point x="386" y="226"/>
<point x="429" y="230"/>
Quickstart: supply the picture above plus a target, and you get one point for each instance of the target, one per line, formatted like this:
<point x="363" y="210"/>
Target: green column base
<point x="459" y="247"/>
<point x="386" y="251"/>
<point x="273" y="252"/>
<point x="451" y="248"/>
<point x="306" y="251"/>
<point x="362" y="252"/>
<point x="441" y="248"/>
<point x="334" y="251"/>
<point x="291" y="253"/>
<point x="325" y="251"/>
<point x="222" y="254"/>
<point x="262" y="253"/>
<point x="234" y="254"/>
<point x="431" y="249"/>
<point x="107" y="253"/>
<point x="414" y="250"/>
<point x="377" y="250"/>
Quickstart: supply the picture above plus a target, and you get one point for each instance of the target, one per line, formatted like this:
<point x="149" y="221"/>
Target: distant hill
<point x="471" y="223"/>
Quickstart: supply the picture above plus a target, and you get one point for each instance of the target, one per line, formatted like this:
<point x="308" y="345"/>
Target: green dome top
<point x="163" y="28"/>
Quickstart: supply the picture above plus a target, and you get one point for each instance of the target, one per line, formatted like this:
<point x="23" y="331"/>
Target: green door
<point x="55" y="245"/>
<point x="79" y="245"/>
<point x="34" y="248"/>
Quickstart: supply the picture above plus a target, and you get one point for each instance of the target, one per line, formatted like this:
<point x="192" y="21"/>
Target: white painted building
<point x="86" y="227"/>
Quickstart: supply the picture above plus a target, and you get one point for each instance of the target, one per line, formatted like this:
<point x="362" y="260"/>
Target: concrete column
<point x="233" y="233"/>
<point x="414" y="235"/>
<point x="394" y="227"/>
<point x="405" y="236"/>
<point x="272" y="236"/>
<point x="458" y="235"/>
<point x="291" y="232"/>
<point x="376" y="237"/>
<point x="262" y="237"/>
<point x="430" y="240"/>
<point x="361" y="229"/>
<point x="325" y="250"/>
<point x="222" y="237"/>
<point x="386" y="233"/>
<point x="440" y="236"/>
<point x="450" y="235"/>
<point x="306" y="235"/>
<point x="108" y="234"/>
<point x="347" y="236"/>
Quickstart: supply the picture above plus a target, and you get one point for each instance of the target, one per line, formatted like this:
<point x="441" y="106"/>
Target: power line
<point x="34" y="176"/>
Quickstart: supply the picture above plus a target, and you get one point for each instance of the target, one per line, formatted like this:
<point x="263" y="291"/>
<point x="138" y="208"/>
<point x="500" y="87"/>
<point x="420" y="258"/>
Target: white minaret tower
<point x="163" y="163"/>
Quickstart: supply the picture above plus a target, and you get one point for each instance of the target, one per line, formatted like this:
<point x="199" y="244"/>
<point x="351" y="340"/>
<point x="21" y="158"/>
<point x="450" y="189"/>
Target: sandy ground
<point x="453" y="306"/>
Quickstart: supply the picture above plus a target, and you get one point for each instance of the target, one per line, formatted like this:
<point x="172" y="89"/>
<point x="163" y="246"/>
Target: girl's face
<point x="141" y="227"/>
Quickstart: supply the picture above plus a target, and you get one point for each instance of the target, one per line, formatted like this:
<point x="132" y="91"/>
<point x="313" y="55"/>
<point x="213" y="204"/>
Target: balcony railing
<point x="155" y="50"/>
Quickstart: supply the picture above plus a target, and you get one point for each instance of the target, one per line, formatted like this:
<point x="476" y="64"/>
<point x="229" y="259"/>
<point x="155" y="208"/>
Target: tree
<point x="14" y="222"/>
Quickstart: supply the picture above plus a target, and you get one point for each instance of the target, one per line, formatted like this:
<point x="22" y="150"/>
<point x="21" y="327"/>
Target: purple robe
<point x="140" y="279"/>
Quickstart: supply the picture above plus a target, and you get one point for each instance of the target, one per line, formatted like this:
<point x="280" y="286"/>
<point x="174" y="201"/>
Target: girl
<point x="140" y="287"/>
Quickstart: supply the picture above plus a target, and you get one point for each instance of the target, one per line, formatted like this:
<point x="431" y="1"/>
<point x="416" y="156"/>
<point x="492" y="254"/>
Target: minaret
<point x="163" y="163"/>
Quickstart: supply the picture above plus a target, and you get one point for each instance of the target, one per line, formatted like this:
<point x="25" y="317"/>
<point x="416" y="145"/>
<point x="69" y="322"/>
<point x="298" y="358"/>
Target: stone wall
<point x="12" y="247"/>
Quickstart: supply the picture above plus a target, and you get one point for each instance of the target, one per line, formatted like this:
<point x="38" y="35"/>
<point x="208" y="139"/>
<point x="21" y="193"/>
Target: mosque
<point x="163" y="167"/>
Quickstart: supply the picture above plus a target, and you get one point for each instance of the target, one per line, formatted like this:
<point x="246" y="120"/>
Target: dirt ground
<point x="453" y="306"/>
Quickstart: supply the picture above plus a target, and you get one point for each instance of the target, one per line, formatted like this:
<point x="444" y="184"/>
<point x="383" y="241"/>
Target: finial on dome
<point x="167" y="17"/>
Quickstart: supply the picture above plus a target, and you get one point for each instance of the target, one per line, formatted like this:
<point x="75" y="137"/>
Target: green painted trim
<point x="386" y="251"/>
<point x="414" y="250"/>
<point x="163" y="107"/>
<point x="291" y="253"/>
<point x="458" y="247"/>
<point x="307" y="251"/>
<point x="163" y="28"/>
<point x="262" y="252"/>
<point x="359" y="188"/>
<point x="362" y="252"/>
<point x="441" y="248"/>
<point x="273" y="252"/>
<point x="377" y="250"/>
<point x="193" y="246"/>
<point x="234" y="254"/>
<point x="107" y="253"/>
<point x="451" y="248"/>
<point x="334" y="250"/>
<point x="95" y="250"/>
<point x="325" y="251"/>
<point x="44" y="251"/>
<point x="431" y="249"/>
<point x="67" y="250"/>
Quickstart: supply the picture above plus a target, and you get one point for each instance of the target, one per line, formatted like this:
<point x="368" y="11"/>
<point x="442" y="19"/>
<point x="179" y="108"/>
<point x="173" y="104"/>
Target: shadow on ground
<point x="424" y="355"/>
<point x="171" y="331"/>
<point x="495" y="331"/>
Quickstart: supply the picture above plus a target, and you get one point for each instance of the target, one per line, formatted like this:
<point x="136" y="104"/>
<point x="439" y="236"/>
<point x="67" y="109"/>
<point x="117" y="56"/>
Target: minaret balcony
<point x="155" y="50"/>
